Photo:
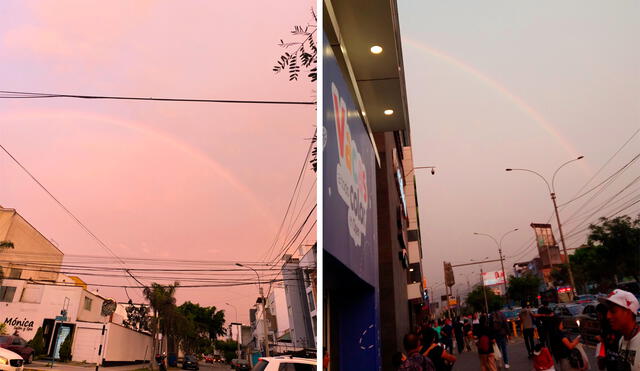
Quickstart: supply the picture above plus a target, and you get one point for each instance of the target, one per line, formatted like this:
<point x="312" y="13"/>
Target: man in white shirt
<point x="622" y="309"/>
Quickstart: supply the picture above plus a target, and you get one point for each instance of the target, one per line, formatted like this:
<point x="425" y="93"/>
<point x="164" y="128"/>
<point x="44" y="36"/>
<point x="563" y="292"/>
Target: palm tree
<point x="163" y="303"/>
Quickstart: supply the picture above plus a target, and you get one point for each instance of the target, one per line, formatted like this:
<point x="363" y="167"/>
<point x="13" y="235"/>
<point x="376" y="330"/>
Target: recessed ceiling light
<point x="376" y="49"/>
<point x="388" y="112"/>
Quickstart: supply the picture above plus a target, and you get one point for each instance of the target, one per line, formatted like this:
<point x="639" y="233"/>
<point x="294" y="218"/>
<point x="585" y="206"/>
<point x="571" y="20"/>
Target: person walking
<point x="608" y="340"/>
<point x="415" y="361"/>
<point x="562" y="345"/>
<point x="501" y="331"/>
<point x="622" y="309"/>
<point x="485" y="340"/>
<point x="446" y="335"/>
<point x="458" y="331"/>
<point x="545" y="325"/>
<point x="468" y="335"/>
<point x="442" y="360"/>
<point x="526" y="320"/>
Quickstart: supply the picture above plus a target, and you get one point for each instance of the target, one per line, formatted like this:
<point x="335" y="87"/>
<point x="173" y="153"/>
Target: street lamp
<point x="499" y="245"/>
<point x="552" y="192"/>
<point x="264" y="310"/>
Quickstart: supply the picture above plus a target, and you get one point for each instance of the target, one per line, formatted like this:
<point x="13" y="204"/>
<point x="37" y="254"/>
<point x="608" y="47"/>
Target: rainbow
<point x="511" y="97"/>
<point x="215" y="167"/>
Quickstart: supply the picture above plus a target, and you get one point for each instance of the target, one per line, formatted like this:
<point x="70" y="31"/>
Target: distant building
<point x="301" y="329"/>
<point x="21" y="244"/>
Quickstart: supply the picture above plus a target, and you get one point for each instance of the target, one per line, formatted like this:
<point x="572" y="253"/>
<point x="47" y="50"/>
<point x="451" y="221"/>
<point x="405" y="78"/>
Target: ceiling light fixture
<point x="388" y="112"/>
<point x="376" y="49"/>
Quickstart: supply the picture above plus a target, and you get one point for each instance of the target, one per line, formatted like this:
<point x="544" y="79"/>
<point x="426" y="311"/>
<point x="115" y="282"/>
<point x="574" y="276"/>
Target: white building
<point x="34" y="294"/>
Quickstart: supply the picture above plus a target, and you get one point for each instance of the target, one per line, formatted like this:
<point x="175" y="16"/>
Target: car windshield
<point x="260" y="366"/>
<point x="190" y="358"/>
<point x="575" y="309"/>
<point x="5" y="339"/>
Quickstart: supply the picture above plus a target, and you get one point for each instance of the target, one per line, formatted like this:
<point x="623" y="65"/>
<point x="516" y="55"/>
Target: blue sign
<point x="350" y="228"/>
<point x="350" y="225"/>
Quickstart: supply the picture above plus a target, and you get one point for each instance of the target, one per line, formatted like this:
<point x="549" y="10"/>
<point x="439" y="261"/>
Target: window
<point x="87" y="303"/>
<point x="15" y="273"/>
<point x="312" y="304"/>
<point x="7" y="293"/>
<point x="296" y="367"/>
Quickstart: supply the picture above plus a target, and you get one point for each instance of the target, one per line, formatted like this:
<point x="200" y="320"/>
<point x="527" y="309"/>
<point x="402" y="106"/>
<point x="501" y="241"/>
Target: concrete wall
<point x="29" y="244"/>
<point x="277" y="305"/>
<point x="299" y="317"/>
<point x="125" y="345"/>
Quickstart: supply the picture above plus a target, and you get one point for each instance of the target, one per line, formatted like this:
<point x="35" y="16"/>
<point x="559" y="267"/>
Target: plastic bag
<point x="497" y="354"/>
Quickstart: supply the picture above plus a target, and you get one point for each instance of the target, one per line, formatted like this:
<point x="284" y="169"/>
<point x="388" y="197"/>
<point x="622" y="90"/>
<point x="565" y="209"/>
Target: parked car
<point x="243" y="365"/>
<point x="285" y="363"/>
<point x="208" y="359"/>
<point x="10" y="361"/>
<point x="18" y="345"/>
<point x="585" y="299"/>
<point x="190" y="362"/>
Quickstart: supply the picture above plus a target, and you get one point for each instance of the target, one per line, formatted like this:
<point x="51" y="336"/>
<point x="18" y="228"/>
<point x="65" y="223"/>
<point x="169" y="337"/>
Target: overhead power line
<point x="80" y="223"/>
<point x="31" y="95"/>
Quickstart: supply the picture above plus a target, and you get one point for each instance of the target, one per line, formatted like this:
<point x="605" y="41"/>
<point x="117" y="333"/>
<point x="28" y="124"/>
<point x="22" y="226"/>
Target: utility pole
<point x="264" y="323"/>
<point x="484" y="291"/>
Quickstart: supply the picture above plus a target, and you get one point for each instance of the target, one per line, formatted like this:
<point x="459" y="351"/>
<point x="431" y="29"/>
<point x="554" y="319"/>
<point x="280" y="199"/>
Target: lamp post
<point x="552" y="192"/>
<point x="499" y="245"/>
<point x="264" y="311"/>
<point x="240" y="328"/>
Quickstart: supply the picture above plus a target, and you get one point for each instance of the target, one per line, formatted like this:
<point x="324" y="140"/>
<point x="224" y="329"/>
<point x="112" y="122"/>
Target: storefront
<point x="351" y="300"/>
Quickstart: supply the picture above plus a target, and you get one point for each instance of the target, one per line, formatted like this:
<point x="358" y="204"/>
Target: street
<point x="517" y="357"/>
<point x="42" y="366"/>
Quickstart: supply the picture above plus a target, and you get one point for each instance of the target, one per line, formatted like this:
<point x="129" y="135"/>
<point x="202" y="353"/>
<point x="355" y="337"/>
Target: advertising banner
<point x="493" y="278"/>
<point x="547" y="247"/>
<point x="350" y="226"/>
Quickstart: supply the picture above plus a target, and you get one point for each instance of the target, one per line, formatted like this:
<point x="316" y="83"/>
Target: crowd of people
<point x="431" y="346"/>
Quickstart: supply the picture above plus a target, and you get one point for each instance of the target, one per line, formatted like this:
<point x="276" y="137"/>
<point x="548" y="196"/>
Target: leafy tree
<point x="304" y="56"/>
<point x="198" y="326"/>
<point x="3" y="329"/>
<point x="37" y="343"/>
<point x="475" y="299"/>
<point x="65" y="349"/>
<point x="163" y="303"/>
<point x="614" y="242"/>
<point x="524" y="288"/>
<point x="620" y="239"/>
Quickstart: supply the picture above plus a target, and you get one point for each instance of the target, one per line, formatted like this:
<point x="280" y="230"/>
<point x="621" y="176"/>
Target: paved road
<point x="518" y="359"/>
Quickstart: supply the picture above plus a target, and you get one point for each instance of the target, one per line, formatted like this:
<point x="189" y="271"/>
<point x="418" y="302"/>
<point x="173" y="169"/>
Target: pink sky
<point x="174" y="180"/>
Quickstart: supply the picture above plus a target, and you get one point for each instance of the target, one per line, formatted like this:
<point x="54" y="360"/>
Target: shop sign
<point x="18" y="324"/>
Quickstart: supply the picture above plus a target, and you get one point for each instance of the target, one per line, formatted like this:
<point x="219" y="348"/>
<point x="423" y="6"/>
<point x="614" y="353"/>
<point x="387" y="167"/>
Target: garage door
<point x="86" y="344"/>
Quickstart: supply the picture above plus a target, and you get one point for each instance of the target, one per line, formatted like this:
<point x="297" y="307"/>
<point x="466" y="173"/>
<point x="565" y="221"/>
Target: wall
<point x="277" y="305"/>
<point x="95" y="313"/>
<point x="394" y="307"/>
<point x="50" y="305"/>
<point x="299" y="316"/>
<point x="28" y="244"/>
<point x="124" y="345"/>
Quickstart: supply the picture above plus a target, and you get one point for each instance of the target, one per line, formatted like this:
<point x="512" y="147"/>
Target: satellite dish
<point x="108" y="307"/>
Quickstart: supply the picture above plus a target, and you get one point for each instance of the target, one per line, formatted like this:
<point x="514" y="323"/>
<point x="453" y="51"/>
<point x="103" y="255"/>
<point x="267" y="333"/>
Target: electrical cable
<point x="32" y="95"/>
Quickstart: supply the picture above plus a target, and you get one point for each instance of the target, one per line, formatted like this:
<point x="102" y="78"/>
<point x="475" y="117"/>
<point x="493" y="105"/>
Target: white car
<point x="10" y="361"/>
<point x="284" y="363"/>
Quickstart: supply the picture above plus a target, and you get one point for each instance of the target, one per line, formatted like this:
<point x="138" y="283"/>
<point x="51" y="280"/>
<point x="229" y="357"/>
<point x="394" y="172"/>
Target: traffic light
<point x="449" y="279"/>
